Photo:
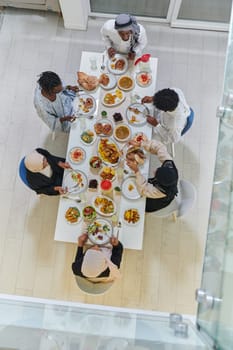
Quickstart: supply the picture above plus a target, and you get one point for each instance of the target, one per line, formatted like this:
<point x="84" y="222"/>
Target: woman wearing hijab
<point x="162" y="188"/>
<point x="98" y="264"/>
<point x="53" y="103"/>
<point x="124" y="35"/>
<point x="44" y="172"/>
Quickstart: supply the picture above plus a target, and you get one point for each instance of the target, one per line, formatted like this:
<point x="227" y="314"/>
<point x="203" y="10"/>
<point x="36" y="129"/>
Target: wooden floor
<point x="164" y="275"/>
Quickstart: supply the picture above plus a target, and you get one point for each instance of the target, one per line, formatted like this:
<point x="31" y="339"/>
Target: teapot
<point x="144" y="64"/>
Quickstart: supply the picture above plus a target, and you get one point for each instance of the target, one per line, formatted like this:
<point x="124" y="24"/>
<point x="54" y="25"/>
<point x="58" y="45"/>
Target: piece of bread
<point x="88" y="82"/>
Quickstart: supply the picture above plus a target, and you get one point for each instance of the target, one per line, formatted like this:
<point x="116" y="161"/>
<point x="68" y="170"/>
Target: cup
<point x="120" y="174"/>
<point x="93" y="64"/>
<point x="174" y="319"/>
<point x="106" y="187"/>
<point x="181" y="330"/>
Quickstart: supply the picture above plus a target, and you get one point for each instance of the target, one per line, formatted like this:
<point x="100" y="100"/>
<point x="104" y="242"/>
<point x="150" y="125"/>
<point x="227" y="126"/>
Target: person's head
<point x="50" y="83"/>
<point x="35" y="162"/>
<point x="166" y="100"/>
<point x="94" y="262"/>
<point x="166" y="176"/>
<point x="124" y="26"/>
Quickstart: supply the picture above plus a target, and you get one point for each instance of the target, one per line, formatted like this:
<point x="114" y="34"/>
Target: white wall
<point x="75" y="13"/>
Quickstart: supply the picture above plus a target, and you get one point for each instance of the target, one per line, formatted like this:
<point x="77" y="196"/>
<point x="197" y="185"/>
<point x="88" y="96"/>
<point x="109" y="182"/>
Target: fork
<point x="119" y="227"/>
<point x="77" y="200"/>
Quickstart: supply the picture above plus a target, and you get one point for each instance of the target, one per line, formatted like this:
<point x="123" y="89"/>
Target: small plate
<point x="99" y="231"/>
<point x="117" y="128"/>
<point x="85" y="132"/>
<point x="103" y="145"/>
<point x="73" y="213"/>
<point x="112" y="61"/>
<point x="110" y="173"/>
<point x="133" y="214"/>
<point x="79" y="105"/>
<point x="136" y="114"/>
<point x="104" y="122"/>
<point x="112" y="82"/>
<point x="143" y="79"/>
<point x="77" y="155"/>
<point x="129" y="188"/>
<point x="115" y="98"/>
<point x="73" y="178"/>
<point x="101" y="200"/>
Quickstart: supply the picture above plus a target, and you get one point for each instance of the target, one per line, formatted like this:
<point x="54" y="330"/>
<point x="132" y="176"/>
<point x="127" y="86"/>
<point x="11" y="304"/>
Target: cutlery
<point x="119" y="227"/>
<point x="102" y="65"/>
<point x="78" y="200"/>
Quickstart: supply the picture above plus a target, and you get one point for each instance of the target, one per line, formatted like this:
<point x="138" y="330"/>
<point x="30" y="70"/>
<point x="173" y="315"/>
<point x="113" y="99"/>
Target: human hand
<point x="74" y="88"/>
<point x="134" y="143"/>
<point x="60" y="189"/>
<point x="114" y="241"/>
<point x="151" y="120"/>
<point x="131" y="55"/>
<point x="147" y="99"/>
<point x="68" y="118"/>
<point x="64" y="165"/>
<point x="82" y="239"/>
<point x="132" y="164"/>
<point x="111" y="52"/>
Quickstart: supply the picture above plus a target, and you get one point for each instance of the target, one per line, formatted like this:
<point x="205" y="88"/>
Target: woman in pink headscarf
<point x="44" y="172"/>
<point x="98" y="264"/>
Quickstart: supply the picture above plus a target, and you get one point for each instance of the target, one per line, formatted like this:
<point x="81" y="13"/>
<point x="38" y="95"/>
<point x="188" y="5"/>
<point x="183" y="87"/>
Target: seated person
<point x="124" y="35"/>
<point x="172" y="117"/>
<point x="44" y="172"/>
<point x="54" y="105"/>
<point x="162" y="188"/>
<point x="98" y="264"/>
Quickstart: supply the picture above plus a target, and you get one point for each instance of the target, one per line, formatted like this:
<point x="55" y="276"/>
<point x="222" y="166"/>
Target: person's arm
<point x="117" y="251"/>
<point x="105" y="35"/>
<point x="168" y="135"/>
<point x="77" y="264"/>
<point x="157" y="148"/>
<point x="146" y="189"/>
<point x="142" y="41"/>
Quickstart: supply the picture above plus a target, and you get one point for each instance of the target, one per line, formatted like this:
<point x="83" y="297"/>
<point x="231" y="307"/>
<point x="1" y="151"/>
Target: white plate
<point x="102" y="223"/>
<point x="118" y="100"/>
<point x="79" y="102"/>
<point x="112" y="82"/>
<point x="140" y="83"/>
<point x="104" y="121"/>
<point x="113" y="60"/>
<point x="122" y="88"/>
<point x="140" y="118"/>
<point x="131" y="223"/>
<point x="97" y="208"/>
<point x="108" y="140"/>
<point x="86" y="143"/>
<point x="127" y="193"/>
<point x="78" y="149"/>
<point x="79" y="218"/>
<point x="70" y="182"/>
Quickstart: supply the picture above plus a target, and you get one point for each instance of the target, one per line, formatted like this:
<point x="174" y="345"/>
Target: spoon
<point x="102" y="65"/>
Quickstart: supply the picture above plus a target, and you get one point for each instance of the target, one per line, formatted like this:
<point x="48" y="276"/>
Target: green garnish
<point x="117" y="188"/>
<point x="104" y="113"/>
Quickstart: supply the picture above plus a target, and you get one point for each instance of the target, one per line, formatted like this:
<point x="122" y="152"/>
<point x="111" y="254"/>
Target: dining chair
<point x="182" y="203"/>
<point x="22" y="172"/>
<point x="91" y="287"/>
<point x="188" y="125"/>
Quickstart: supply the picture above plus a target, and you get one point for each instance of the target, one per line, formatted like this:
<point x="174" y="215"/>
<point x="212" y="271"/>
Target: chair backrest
<point x="91" y="287"/>
<point x="188" y="196"/>
<point x="22" y="172"/>
<point x="189" y="122"/>
<point x="170" y="209"/>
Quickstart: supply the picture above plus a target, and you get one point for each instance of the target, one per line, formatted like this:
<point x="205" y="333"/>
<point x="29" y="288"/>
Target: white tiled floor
<point x="165" y="274"/>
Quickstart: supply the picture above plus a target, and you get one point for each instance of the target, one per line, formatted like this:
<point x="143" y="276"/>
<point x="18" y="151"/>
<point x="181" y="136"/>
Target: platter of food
<point x="104" y="205"/>
<point x="77" y="155"/>
<point x="89" y="213"/>
<point x="108" y="173"/>
<point x="113" y="98"/>
<point x="95" y="162"/>
<point x="117" y="64"/>
<point x="131" y="216"/>
<point x="103" y="127"/>
<point x="135" y="153"/>
<point x="109" y="151"/>
<point x="136" y="114"/>
<point x="76" y="181"/>
<point x="143" y="79"/>
<point x="99" y="231"/>
<point x="88" y="82"/>
<point x="107" y="81"/>
<point x="73" y="215"/>
<point x="84" y="104"/>
<point x="122" y="133"/>
<point x="129" y="188"/>
<point x="125" y="83"/>
<point x="88" y="137"/>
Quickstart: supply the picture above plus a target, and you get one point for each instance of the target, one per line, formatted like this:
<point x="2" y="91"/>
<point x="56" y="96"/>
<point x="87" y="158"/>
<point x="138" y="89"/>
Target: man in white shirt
<point x="124" y="35"/>
<point x="173" y="111"/>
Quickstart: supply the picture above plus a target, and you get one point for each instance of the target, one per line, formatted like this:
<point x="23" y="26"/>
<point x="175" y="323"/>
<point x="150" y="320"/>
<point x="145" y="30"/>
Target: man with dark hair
<point x="173" y="111"/>
<point x="53" y="103"/>
<point x="124" y="35"/>
<point x="162" y="188"/>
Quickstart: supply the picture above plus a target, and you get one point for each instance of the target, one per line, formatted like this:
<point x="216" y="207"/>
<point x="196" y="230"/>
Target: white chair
<point x="91" y="287"/>
<point x="182" y="203"/>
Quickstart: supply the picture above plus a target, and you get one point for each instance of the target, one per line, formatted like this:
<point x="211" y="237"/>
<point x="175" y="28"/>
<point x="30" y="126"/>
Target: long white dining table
<point x="131" y="236"/>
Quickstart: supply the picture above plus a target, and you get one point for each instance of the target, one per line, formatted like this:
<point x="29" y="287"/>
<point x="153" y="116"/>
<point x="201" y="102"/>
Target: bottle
<point x="144" y="63"/>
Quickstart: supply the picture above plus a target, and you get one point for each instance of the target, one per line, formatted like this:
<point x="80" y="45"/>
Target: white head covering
<point x="34" y="162"/>
<point x="97" y="261"/>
